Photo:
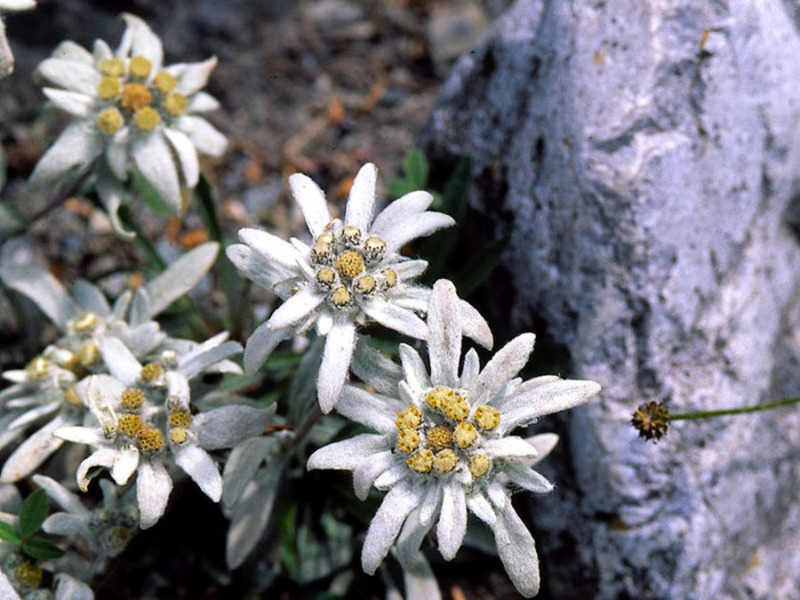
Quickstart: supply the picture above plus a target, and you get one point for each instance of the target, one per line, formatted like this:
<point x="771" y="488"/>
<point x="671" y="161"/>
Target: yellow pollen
<point x="438" y="396"/>
<point x="177" y="435"/>
<point x="113" y="67"/>
<point x="341" y="298"/>
<point x="130" y="425"/>
<point x="421" y="462"/>
<point x="71" y="397"/>
<point x="88" y="354"/>
<point x="374" y="247"/>
<point x="366" y="284"/>
<point x="456" y="408"/>
<point x="146" y="118"/>
<point x="479" y="465"/>
<point x="440" y="437"/>
<point x="140" y="66"/>
<point x="150" y="439"/>
<point x="135" y="96"/>
<point x="37" y="367"/>
<point x="487" y="417"/>
<point x="165" y="82"/>
<point x="176" y="103"/>
<point x="110" y="121"/>
<point x="326" y="237"/>
<point x="151" y="372"/>
<point x="320" y="253"/>
<point x="445" y="461"/>
<point x="180" y="417"/>
<point x="86" y="320"/>
<point x="407" y="439"/>
<point x="410" y="417"/>
<point x="390" y="277"/>
<point x="108" y="87"/>
<point x="326" y="276"/>
<point x="28" y="574"/>
<point x="118" y="537"/>
<point x="351" y="235"/>
<point x="349" y="264"/>
<point x="465" y="434"/>
<point x="131" y="399"/>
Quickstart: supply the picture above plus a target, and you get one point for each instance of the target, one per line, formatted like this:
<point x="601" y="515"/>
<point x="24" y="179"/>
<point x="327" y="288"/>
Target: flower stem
<point x="702" y="414"/>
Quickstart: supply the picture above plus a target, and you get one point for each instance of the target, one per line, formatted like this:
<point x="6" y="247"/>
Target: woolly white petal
<point x="508" y="447"/>
<point x="205" y="137"/>
<point x="372" y="410"/>
<point x="374" y="368"/>
<point x="75" y="103"/>
<point x="7" y="591"/>
<point x="370" y="468"/>
<point x="13" y="5"/>
<point x="192" y="77"/>
<point x="68" y="525"/>
<point x="260" y="345"/>
<point x="544" y="444"/>
<point x="89" y="297"/>
<point x="71" y="75"/>
<point x="517" y="551"/>
<point x="361" y="201"/>
<point x="339" y="346"/>
<point x="296" y="309"/>
<point x="400" y="210"/>
<point x="444" y="342"/>
<point x="125" y="464"/>
<point x="392" y="316"/>
<point x="411" y="228"/>
<point x="187" y="155"/>
<point x="549" y="398"/>
<point x="201" y="468"/>
<point x="181" y="276"/>
<point x="120" y="360"/>
<point x="474" y="326"/>
<point x="201" y="103"/>
<point x="519" y="396"/>
<point x="192" y="365"/>
<point x="420" y="581"/>
<point x="69" y="588"/>
<point x="34" y="414"/>
<point x="470" y="370"/>
<point x="409" y="541"/>
<point x="139" y="40"/>
<point x="503" y="366"/>
<point x="226" y="426"/>
<point x="154" y="159"/>
<point x="452" y="520"/>
<point x="44" y="289"/>
<point x="80" y="435"/>
<point x="528" y="479"/>
<point x="348" y="454"/>
<point x="430" y="504"/>
<point x="311" y="200"/>
<point x="409" y="269"/>
<point x="272" y="248"/>
<point x="481" y="507"/>
<point x="392" y="476"/>
<point x="414" y="372"/>
<point x="77" y="145"/>
<point x="32" y="452"/>
<point x="153" y="486"/>
<point x="241" y="467"/>
<point x="386" y="524"/>
<point x="104" y="457"/>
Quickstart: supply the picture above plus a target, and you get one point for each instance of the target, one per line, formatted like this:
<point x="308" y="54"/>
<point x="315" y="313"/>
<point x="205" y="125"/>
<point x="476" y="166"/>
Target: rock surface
<point x="645" y="156"/>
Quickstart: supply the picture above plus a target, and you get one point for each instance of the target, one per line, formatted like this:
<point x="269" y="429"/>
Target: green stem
<point x="702" y="414"/>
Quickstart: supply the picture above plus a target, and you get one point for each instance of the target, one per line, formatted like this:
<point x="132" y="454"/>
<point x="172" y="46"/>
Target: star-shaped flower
<point x="131" y="112"/>
<point x="353" y="273"/>
<point x="6" y="56"/>
<point x="445" y="446"/>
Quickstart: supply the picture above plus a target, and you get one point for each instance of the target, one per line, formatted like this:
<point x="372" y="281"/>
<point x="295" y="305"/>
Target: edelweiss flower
<point x="352" y="273"/>
<point x="131" y="113"/>
<point x="106" y="529"/>
<point x="6" y="56"/>
<point x="145" y="420"/>
<point x="45" y="389"/>
<point x="444" y="445"/>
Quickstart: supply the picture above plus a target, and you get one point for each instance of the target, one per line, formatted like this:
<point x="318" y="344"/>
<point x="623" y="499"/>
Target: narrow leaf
<point x="481" y="265"/>
<point x="8" y="533"/>
<point x="416" y="169"/>
<point x="41" y="549"/>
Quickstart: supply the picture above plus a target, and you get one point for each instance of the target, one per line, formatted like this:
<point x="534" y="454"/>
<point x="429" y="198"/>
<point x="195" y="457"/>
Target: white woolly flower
<point x="444" y="445"/>
<point x="145" y="424"/>
<point x="6" y="56"/>
<point x="106" y="529"/>
<point x="131" y="112"/>
<point x="351" y="274"/>
<point x="43" y="393"/>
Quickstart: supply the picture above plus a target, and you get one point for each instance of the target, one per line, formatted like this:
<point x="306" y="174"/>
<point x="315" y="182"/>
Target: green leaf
<point x="291" y="561"/>
<point x="149" y="195"/>
<point x="8" y="533"/>
<point x="416" y="169"/>
<point x="33" y="513"/>
<point x="399" y="187"/>
<point x="41" y="549"/>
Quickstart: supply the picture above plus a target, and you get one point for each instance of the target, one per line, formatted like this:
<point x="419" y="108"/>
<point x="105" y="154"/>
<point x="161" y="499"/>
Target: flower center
<point x="150" y="438"/>
<point x="349" y="264"/>
<point x="113" y="67"/>
<point x="439" y="435"/>
<point x="28" y="574"/>
<point x="85" y="322"/>
<point x="130" y="425"/>
<point x="165" y="82"/>
<point x="132" y="398"/>
<point x="180" y="417"/>
<point x="135" y="96"/>
<point x="110" y="121"/>
<point x="151" y="373"/>
<point x="140" y="66"/>
<point x="146" y="118"/>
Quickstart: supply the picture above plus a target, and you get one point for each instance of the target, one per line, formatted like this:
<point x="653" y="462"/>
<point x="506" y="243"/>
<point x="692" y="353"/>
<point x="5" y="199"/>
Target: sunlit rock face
<point x="646" y="158"/>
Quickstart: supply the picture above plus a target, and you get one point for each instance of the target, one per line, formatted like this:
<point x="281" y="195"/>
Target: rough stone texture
<point x="646" y="155"/>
